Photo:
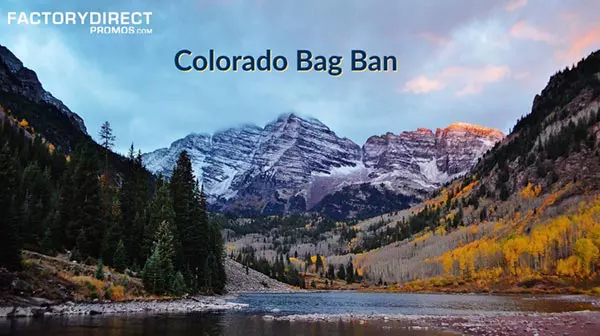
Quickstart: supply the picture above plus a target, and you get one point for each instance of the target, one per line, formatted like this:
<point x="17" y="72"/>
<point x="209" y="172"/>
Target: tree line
<point x="75" y="203"/>
<point x="280" y="268"/>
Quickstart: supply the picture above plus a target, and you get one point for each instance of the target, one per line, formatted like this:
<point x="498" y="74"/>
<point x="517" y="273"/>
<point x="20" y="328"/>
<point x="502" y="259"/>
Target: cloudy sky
<point x="473" y="61"/>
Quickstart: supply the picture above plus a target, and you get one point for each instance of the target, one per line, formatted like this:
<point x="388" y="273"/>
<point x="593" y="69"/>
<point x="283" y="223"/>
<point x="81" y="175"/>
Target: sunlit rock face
<point x="423" y="159"/>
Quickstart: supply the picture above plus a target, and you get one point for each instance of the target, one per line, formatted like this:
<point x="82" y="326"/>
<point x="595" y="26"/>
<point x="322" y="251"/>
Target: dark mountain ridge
<point x="23" y="97"/>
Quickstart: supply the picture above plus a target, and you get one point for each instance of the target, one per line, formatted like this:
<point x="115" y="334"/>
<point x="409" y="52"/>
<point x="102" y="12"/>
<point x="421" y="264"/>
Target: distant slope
<point x="240" y="281"/>
<point x="528" y="216"/>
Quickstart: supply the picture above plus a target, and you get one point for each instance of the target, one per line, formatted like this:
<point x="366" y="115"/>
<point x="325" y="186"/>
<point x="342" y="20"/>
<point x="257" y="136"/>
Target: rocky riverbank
<point x="195" y="304"/>
<point x="46" y="288"/>
<point x="580" y="323"/>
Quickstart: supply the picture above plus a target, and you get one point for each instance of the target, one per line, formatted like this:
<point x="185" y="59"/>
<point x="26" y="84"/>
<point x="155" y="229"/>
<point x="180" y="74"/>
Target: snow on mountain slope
<point x="292" y="163"/>
<point x="422" y="159"/>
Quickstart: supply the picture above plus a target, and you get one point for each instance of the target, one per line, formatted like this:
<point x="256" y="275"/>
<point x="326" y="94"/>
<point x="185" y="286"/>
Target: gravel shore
<point x="238" y="281"/>
<point x="572" y="324"/>
<point x="581" y="323"/>
<point x="196" y="304"/>
<point x="497" y="324"/>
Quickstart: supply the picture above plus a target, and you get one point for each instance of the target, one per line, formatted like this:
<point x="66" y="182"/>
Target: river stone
<point x="19" y="286"/>
<point x="20" y="312"/>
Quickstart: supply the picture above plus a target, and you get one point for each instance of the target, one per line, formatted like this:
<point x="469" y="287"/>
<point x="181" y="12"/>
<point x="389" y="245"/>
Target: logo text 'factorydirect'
<point x="124" y="22"/>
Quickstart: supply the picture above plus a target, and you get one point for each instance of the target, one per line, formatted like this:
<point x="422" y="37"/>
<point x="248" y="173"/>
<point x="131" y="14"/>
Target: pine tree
<point x="200" y="240"/>
<point x="120" y="258"/>
<point x="457" y="220"/>
<point x="308" y="259"/>
<point x="350" y="273"/>
<point x="331" y="272"/>
<point x="34" y="198"/>
<point x="10" y="254"/>
<point x="107" y="140"/>
<point x="188" y="221"/>
<point x="66" y="210"/>
<point x="88" y="219"/>
<point x="178" y="287"/>
<point x="207" y="273"/>
<point x="318" y="263"/>
<point x="219" y="277"/>
<point x="100" y="270"/>
<point x="150" y="273"/>
<point x="158" y="271"/>
<point x="483" y="214"/>
<point x="54" y="234"/>
<point x="341" y="272"/>
<point x="133" y="199"/>
<point x="136" y="236"/>
<point x="114" y="232"/>
<point x="161" y="209"/>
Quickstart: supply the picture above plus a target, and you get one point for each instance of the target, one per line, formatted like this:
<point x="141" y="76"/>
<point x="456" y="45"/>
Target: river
<point x="309" y="313"/>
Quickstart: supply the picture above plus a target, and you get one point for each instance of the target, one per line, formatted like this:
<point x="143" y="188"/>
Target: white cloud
<point x="464" y="80"/>
<point x="68" y="77"/>
<point x="515" y="4"/>
<point x="524" y="30"/>
<point x="580" y="45"/>
<point x="422" y="84"/>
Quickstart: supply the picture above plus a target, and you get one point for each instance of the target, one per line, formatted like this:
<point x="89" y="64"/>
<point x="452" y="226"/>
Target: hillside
<point x="48" y="280"/>
<point x="241" y="280"/>
<point x="528" y="216"/>
<point x="61" y="193"/>
<point x="23" y="98"/>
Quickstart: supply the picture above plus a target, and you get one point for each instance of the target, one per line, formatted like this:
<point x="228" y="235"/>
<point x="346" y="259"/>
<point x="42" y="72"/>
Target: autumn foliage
<point x="566" y="245"/>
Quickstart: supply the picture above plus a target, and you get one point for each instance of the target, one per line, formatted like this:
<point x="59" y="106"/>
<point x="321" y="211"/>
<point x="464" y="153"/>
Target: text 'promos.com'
<point x="100" y="23"/>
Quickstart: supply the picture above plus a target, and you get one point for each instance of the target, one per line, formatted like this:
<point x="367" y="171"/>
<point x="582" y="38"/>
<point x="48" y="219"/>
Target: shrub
<point x="117" y="292"/>
<point x="100" y="270"/>
<point x="108" y="293"/>
<point x="94" y="287"/>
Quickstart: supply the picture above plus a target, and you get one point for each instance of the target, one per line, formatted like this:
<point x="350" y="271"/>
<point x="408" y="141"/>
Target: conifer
<point x="10" y="254"/>
<point x="120" y="258"/>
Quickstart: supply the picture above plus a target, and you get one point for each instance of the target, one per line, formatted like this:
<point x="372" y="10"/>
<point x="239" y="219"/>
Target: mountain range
<point x="296" y="164"/>
<point x="515" y="213"/>
<point x="291" y="165"/>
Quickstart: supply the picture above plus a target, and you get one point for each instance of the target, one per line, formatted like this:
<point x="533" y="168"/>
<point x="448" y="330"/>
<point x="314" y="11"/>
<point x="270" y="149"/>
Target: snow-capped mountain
<point x="422" y="159"/>
<point x="295" y="164"/>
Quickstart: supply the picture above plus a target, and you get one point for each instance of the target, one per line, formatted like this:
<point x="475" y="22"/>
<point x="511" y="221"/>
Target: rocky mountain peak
<point x="466" y="128"/>
<point x="290" y="122"/>
<point x="10" y="60"/>
<point x="423" y="130"/>
<point x="293" y="163"/>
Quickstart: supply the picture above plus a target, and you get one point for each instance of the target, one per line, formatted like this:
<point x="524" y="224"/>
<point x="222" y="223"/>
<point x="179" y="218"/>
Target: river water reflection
<point x="252" y="321"/>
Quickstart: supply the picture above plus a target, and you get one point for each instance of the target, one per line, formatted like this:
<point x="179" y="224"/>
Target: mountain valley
<point x="526" y="218"/>
<point x="463" y="208"/>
